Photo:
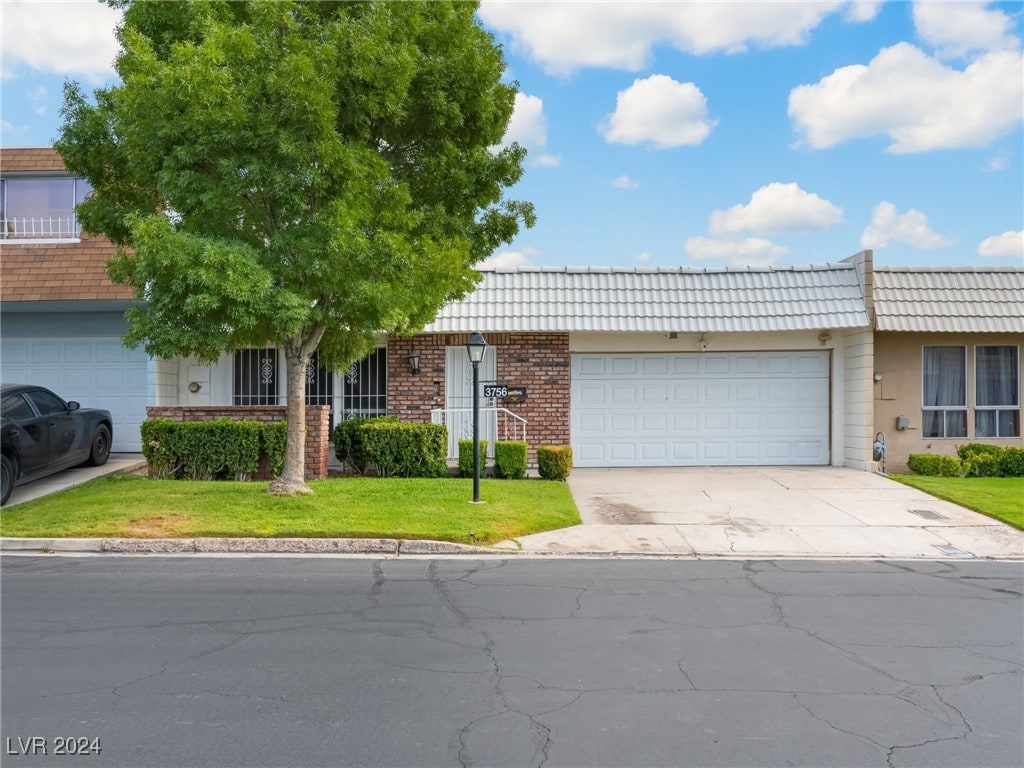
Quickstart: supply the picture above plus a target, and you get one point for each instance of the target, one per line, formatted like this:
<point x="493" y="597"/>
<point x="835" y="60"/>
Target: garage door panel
<point x="706" y="409"/>
<point x="97" y="372"/>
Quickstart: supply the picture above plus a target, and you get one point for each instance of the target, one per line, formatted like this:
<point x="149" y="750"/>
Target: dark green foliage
<point x="1011" y="463"/>
<point x="466" y="457"/>
<point x="211" y="450"/>
<point x="935" y="465"/>
<point x="510" y="459"/>
<point x="405" y="450"/>
<point x="969" y="450"/>
<point x="982" y="465"/>
<point x="348" y="441"/>
<point x="554" y="462"/>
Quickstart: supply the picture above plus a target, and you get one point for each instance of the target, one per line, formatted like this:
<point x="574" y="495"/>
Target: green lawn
<point x="998" y="497"/>
<point x="120" y="506"/>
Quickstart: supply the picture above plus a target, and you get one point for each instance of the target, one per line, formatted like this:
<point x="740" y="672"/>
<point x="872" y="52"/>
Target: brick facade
<point x="317" y="425"/>
<point x="537" y="361"/>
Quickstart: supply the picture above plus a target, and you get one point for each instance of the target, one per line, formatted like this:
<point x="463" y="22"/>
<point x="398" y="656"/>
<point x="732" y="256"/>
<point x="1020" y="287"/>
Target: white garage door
<point x="97" y="372"/>
<point x="758" y="408"/>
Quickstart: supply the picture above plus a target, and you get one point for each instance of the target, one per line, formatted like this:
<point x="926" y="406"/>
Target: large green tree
<point x="292" y="174"/>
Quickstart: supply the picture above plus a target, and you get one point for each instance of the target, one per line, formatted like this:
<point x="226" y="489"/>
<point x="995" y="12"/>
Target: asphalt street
<point x="331" y="661"/>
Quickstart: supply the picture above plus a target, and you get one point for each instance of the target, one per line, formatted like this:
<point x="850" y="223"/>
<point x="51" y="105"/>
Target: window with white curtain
<point x="944" y="390"/>
<point x="996" y="391"/>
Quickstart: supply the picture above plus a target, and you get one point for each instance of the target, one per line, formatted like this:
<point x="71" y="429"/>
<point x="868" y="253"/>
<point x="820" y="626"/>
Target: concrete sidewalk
<point x="768" y="512"/>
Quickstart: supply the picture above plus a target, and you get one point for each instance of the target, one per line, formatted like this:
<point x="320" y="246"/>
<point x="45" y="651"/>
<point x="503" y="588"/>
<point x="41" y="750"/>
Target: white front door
<point x="458" y="401"/>
<point x="700" y="409"/>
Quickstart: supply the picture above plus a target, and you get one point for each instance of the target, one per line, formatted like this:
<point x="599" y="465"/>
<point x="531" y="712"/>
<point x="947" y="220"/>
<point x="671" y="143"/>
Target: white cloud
<point x="1010" y="243"/>
<point x="37" y="97"/>
<point x="660" y="111"/>
<point x="917" y="101"/>
<point x="911" y="228"/>
<point x="750" y="252"/>
<point x="643" y="257"/>
<point x="75" y="39"/>
<point x="566" y="36"/>
<point x="507" y="259"/>
<point x="958" y="29"/>
<point x="861" y="11"/>
<point x="528" y="125"/>
<point x="776" y="209"/>
<point x="624" y="182"/>
<point x="547" y="161"/>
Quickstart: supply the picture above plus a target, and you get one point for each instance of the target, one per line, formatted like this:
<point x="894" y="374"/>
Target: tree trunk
<point x="297" y="354"/>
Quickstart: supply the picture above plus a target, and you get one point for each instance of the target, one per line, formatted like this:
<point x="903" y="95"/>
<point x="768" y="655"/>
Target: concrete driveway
<point x="769" y="512"/>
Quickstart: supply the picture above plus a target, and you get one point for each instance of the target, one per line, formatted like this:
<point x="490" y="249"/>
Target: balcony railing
<point x="40" y="228"/>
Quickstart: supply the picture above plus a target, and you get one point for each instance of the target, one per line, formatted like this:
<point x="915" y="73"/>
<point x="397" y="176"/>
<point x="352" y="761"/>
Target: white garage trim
<point x="99" y="372"/>
<point x="701" y="409"/>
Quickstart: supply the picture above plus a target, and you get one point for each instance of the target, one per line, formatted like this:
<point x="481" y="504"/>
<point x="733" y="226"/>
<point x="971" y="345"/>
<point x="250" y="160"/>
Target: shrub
<point x="554" y="462"/>
<point x="405" y="450"/>
<point x="348" y="441"/>
<point x="510" y="459"/>
<point x="970" y="450"/>
<point x="981" y="465"/>
<point x="1011" y="463"/>
<point x="935" y="465"/>
<point x="211" y="450"/>
<point x="466" y="457"/>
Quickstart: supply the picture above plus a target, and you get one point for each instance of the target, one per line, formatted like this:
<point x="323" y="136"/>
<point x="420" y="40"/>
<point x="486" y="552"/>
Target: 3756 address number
<point x="496" y="390"/>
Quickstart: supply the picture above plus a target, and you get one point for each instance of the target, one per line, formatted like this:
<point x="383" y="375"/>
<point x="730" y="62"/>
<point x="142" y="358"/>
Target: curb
<point x="392" y="547"/>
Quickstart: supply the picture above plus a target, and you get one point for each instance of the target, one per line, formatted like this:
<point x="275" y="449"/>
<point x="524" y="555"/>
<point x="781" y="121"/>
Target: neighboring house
<point x="61" y="319"/>
<point x="948" y="346"/>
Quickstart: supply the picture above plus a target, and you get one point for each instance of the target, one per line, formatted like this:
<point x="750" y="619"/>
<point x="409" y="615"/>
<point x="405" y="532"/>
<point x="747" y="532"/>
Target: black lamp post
<point x="476" y="347"/>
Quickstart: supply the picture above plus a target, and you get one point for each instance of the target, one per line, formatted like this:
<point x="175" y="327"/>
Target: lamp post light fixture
<point x="414" y="361"/>
<point x="476" y="346"/>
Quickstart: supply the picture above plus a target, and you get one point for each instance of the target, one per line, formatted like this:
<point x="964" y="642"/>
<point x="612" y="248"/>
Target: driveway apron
<point x="758" y="512"/>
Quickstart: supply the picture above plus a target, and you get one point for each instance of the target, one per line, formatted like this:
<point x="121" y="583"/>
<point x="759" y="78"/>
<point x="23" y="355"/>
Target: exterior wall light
<point x="414" y="361"/>
<point x="476" y="347"/>
<point x="194" y="386"/>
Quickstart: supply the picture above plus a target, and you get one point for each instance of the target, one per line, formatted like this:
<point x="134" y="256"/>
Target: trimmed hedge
<point x="510" y="459"/>
<point x="348" y="441"/>
<point x="466" y="457"/>
<point x="212" y="450"/>
<point x="554" y="462"/>
<point x="398" y="449"/>
<point x="972" y="460"/>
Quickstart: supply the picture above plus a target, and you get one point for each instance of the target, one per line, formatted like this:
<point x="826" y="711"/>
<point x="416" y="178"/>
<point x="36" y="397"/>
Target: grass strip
<point x="126" y="506"/>
<point x="998" y="497"/>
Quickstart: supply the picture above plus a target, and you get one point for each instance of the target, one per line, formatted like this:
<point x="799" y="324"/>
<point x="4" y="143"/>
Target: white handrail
<point x="514" y="425"/>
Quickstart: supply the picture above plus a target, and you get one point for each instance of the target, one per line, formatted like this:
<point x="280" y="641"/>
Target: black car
<point x="42" y="434"/>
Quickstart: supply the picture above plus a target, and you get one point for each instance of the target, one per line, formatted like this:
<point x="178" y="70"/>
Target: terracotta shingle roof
<point x="24" y="159"/>
<point x="53" y="271"/>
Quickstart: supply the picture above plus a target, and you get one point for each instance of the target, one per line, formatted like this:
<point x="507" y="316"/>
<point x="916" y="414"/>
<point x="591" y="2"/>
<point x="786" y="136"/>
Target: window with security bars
<point x="364" y="386"/>
<point x="996" y="391"/>
<point x="256" y="377"/>
<point x="320" y="385"/>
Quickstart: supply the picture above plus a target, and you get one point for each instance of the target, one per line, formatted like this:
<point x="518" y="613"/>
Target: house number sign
<point x="495" y="390"/>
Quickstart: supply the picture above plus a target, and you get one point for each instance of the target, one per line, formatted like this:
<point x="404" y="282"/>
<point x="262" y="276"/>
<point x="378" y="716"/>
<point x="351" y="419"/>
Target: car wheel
<point x="7" y="480"/>
<point x="100" y="446"/>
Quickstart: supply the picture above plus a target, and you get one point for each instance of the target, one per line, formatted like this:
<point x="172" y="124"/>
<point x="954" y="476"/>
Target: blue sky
<point x="705" y="134"/>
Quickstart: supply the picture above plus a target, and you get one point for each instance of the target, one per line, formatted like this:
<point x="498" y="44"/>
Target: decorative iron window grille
<point x="41" y="208"/>
<point x="256" y="377"/>
<point x="364" y="386"/>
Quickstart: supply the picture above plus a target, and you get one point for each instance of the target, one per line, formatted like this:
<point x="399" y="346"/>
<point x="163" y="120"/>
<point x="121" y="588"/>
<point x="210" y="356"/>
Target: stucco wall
<point x="898" y="393"/>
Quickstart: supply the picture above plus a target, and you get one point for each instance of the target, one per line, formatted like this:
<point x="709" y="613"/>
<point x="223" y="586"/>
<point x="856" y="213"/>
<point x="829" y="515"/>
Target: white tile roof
<point x="950" y="299"/>
<point x="658" y="300"/>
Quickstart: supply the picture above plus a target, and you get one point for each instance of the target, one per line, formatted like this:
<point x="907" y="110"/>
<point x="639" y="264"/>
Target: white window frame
<point x="74" y="228"/>
<point x="997" y="408"/>
<point x="944" y="409"/>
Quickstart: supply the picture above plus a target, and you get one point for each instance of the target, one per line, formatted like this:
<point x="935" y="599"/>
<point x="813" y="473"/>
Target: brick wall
<point x="317" y="425"/>
<point x="537" y="361"/>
